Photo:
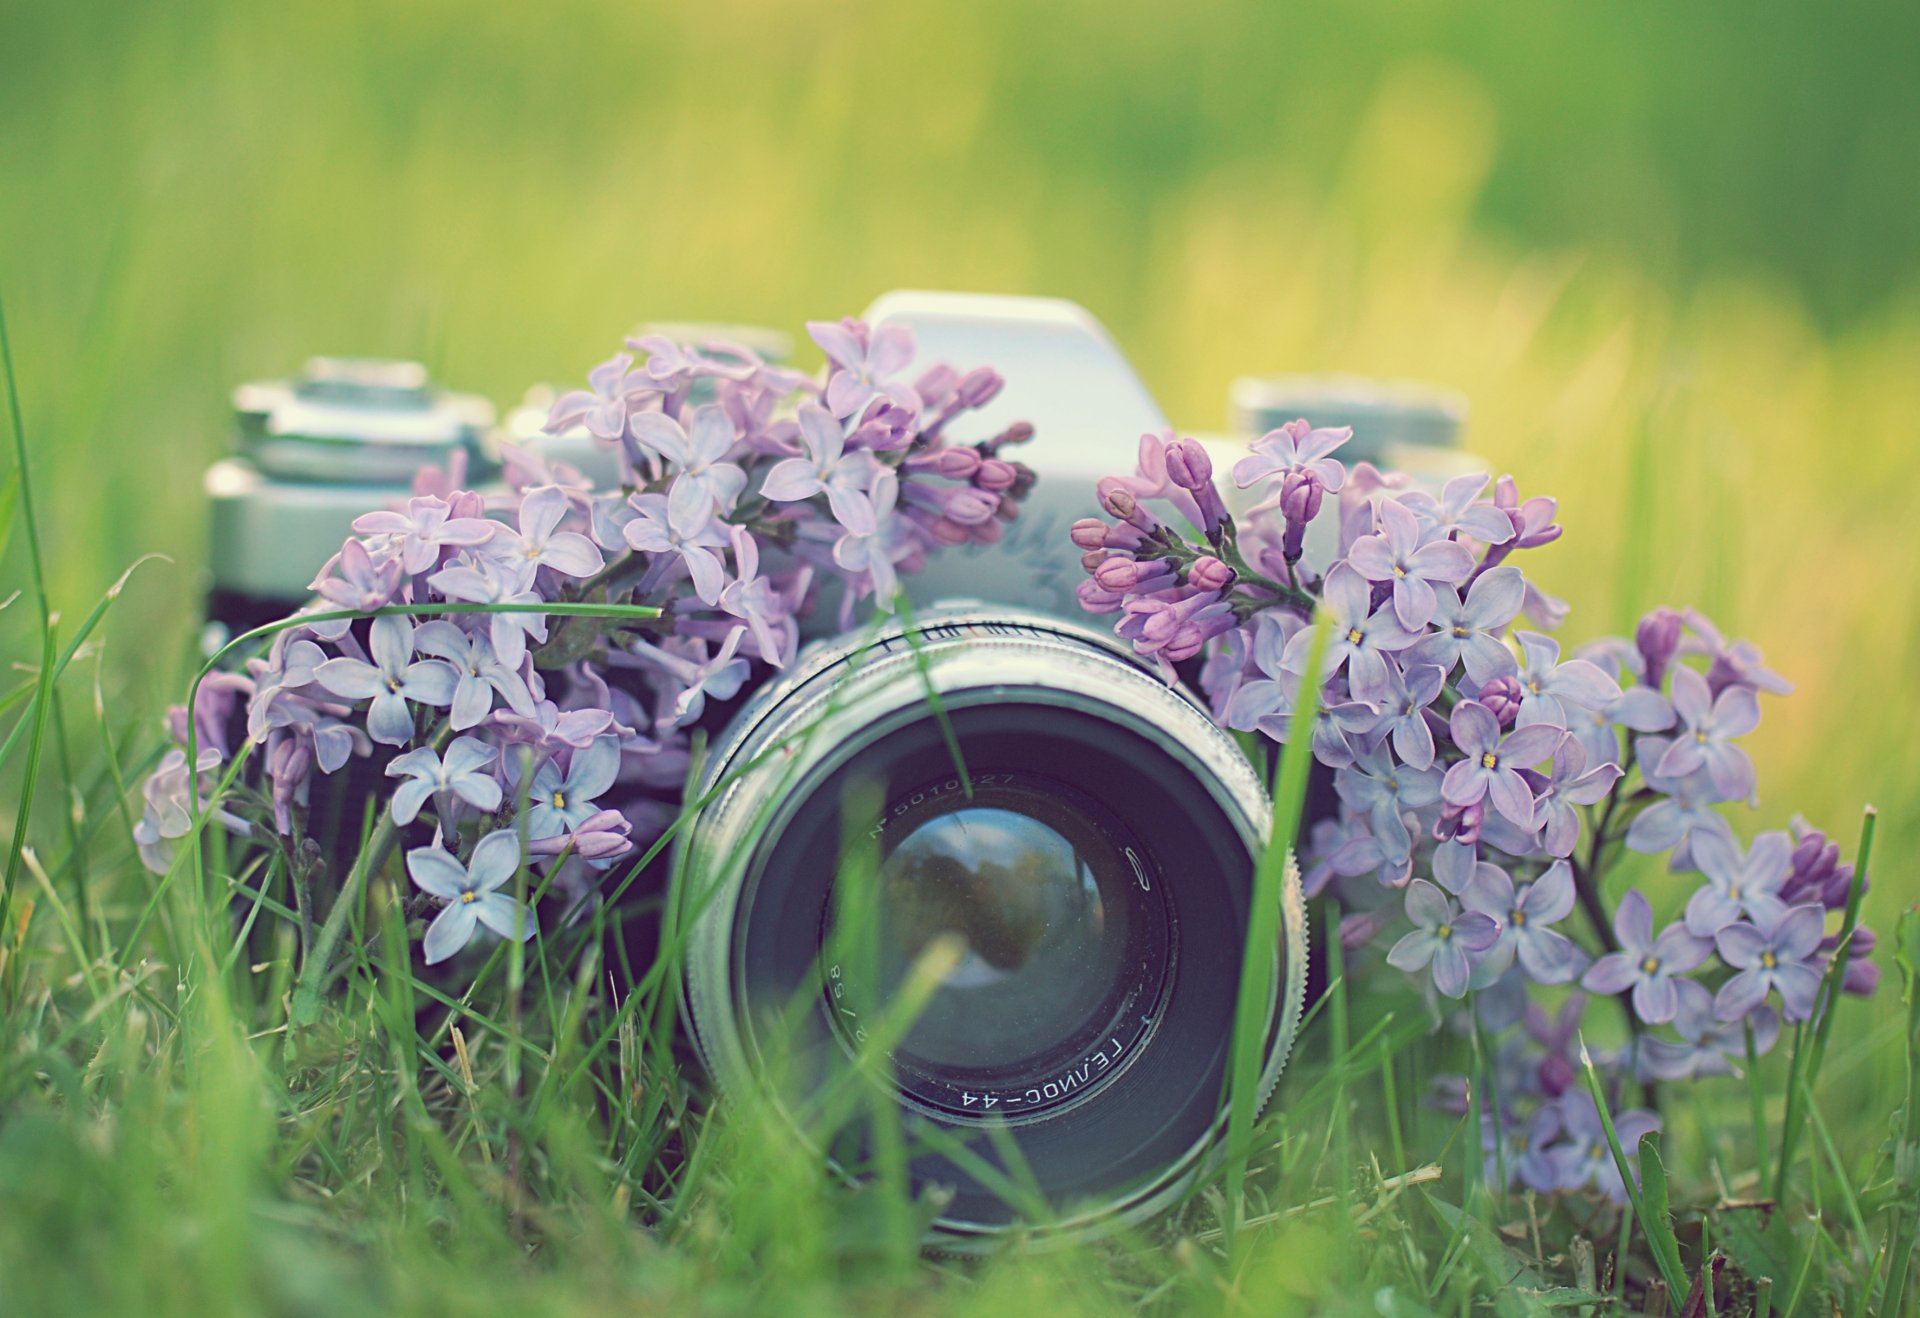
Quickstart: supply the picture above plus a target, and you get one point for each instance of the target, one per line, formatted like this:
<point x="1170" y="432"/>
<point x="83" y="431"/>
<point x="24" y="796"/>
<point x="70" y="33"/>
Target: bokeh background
<point x="1670" y="253"/>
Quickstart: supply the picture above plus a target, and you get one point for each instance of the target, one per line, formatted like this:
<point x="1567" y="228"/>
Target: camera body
<point x="993" y="814"/>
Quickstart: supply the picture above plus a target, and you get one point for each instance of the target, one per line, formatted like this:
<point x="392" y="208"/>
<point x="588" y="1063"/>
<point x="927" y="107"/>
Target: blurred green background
<point x="1669" y="252"/>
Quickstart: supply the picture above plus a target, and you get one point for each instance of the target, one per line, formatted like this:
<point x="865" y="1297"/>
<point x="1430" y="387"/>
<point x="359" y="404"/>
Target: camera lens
<point x="1063" y="940"/>
<point x="1013" y="806"/>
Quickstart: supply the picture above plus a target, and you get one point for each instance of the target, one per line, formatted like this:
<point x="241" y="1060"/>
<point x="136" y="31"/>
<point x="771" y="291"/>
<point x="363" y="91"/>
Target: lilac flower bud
<point x="1502" y="696"/>
<point x="936" y="385"/>
<point x="1093" y="558"/>
<point x="1556" y="1075"/>
<point x="1816" y="874"/>
<point x="1359" y="928"/>
<point x="1188" y="465"/>
<point x="1460" y="823"/>
<point x="1089" y="533"/>
<point x="1209" y="573"/>
<point x="995" y="475"/>
<point x="954" y="463"/>
<point x="1300" y="496"/>
<point x="1119" y="503"/>
<point x="1096" y="600"/>
<point x="1127" y="574"/>
<point x="1658" y="637"/>
<point x="978" y="387"/>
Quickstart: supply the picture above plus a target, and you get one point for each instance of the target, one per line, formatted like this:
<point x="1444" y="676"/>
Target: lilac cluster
<point x="1484" y="780"/>
<point x="520" y="735"/>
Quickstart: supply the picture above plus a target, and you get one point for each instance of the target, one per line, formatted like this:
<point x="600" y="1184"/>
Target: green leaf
<point x="1656" y="1220"/>
<point x="1517" y="1287"/>
<point x="1757" y="1240"/>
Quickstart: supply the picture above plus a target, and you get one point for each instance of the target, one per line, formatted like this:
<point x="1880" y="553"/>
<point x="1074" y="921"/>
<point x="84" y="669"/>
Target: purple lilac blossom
<point x="828" y="468"/>
<point x="390" y="681"/>
<point x="1447" y="939"/>
<point x="1645" y="964"/>
<point x="1709" y="725"/>
<point x="1570" y="784"/>
<point x="460" y="775"/>
<point x="1460" y="511"/>
<point x="1492" y="765"/>
<point x="1780" y="954"/>
<point x="865" y="362"/>
<point x="653" y="531"/>
<point x="1547" y="956"/>
<point x="1361" y="635"/>
<point x="480" y="672"/>
<point x="1738" y="884"/>
<point x="1394" y="554"/>
<point x="706" y="484"/>
<point x="424" y="530"/>
<point x="1685" y="813"/>
<point x="558" y="802"/>
<point x="541" y="543"/>
<point x="1551" y="691"/>
<point x="484" y="581"/>
<point x="471" y="893"/>
<point x="1467" y="631"/>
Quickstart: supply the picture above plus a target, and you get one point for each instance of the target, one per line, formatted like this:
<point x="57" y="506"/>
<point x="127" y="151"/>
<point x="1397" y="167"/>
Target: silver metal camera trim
<point x="843" y="695"/>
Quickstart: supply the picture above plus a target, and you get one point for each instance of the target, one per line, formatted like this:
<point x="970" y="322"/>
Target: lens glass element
<point x="1061" y="931"/>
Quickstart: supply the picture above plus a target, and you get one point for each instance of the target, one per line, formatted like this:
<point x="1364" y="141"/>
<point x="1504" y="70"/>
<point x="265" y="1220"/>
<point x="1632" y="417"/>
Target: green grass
<point x="1665" y="252"/>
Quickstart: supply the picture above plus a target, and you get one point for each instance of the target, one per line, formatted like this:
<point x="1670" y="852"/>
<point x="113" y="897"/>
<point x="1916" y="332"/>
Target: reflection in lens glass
<point x="1018" y="878"/>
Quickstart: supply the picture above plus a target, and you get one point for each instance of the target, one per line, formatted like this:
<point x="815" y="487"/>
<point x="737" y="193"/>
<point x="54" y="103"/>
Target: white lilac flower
<point x="1547" y="955"/>
<point x="1571" y="783"/>
<point x="419" y="534"/>
<point x="481" y="673"/>
<point x="1492" y="765"/>
<point x="1468" y="630"/>
<point x="560" y="802"/>
<point x="471" y="892"/>
<point x="1783" y="954"/>
<point x="1738" y="885"/>
<point x="1395" y="554"/>
<point x="1645" y="964"/>
<point x="462" y="773"/>
<point x="866" y="361"/>
<point x="706" y="482"/>
<point x="540" y="542"/>
<point x="1551" y="691"/>
<point x="1684" y="814"/>
<point x="653" y="530"/>
<point x="1443" y="937"/>
<point x="829" y="469"/>
<point x="1460" y="511"/>
<point x="390" y="681"/>
<point x="486" y="581"/>
<point x="1361" y="635"/>
<point x="1706" y="740"/>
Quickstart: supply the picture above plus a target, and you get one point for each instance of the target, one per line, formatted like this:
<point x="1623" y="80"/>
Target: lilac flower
<point x="1817" y="874"/>
<point x="1549" y="687"/>
<point x="1707" y="739"/>
<point x="601" y="408"/>
<point x="1446" y="938"/>
<point x="1685" y="814"/>
<point x="1782" y="953"/>
<point x="1570" y="784"/>
<point x="875" y="552"/>
<point x="480" y="672"/>
<point x="559" y="802"/>
<point x="362" y="583"/>
<point x="655" y="531"/>
<point x="1266" y="703"/>
<point x="1469" y="630"/>
<point x="1456" y="512"/>
<point x="471" y="892"/>
<point x="390" y="681"/>
<point x="485" y="581"/>
<point x="706" y="480"/>
<point x="1403" y="700"/>
<point x="698" y="676"/>
<point x="1152" y="480"/>
<point x="1537" y="1160"/>
<point x="420" y="533"/>
<point x="1548" y="956"/>
<point x="828" y="468"/>
<point x="1706" y="1043"/>
<point x="1377" y="787"/>
<point x="1295" y="446"/>
<point x="1638" y="709"/>
<point x="1658" y="640"/>
<point x="1646" y="964"/>
<point x="169" y="808"/>
<point x="1557" y="1037"/>
<point x="599" y="839"/>
<point x="751" y="598"/>
<point x="1738" y="884"/>
<point x="541" y="543"/>
<point x="1394" y="554"/>
<point x="547" y="728"/>
<point x="1361" y="636"/>
<point x="866" y="360"/>
<point x="461" y="774"/>
<point x="1493" y="763"/>
<point x="1586" y="1158"/>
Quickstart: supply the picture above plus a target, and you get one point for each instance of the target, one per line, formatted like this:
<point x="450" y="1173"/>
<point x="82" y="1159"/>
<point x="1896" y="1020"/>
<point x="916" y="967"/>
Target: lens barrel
<point x="1077" y="837"/>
